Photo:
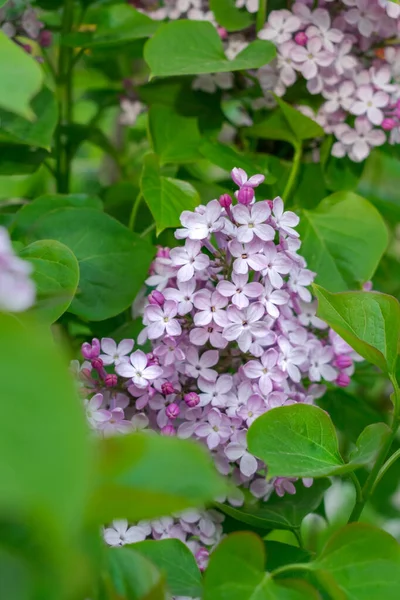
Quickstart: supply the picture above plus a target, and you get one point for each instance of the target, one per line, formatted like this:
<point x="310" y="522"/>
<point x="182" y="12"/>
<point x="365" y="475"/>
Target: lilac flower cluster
<point x="340" y="50"/>
<point x="17" y="290"/>
<point x="233" y="333"/>
<point x="19" y="20"/>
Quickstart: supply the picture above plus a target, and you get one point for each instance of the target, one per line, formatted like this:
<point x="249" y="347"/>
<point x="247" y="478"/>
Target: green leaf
<point x="174" y="558"/>
<point x="343" y="240"/>
<point x="227" y="158"/>
<point x="116" y="24"/>
<point x="237" y="571"/>
<point x="16" y="159"/>
<point x="166" y="197"/>
<point x="273" y="127"/>
<point x="175" y="139"/>
<point x="363" y="561"/>
<point x="43" y="465"/>
<point x="295" y="441"/>
<point x="228" y="16"/>
<point x="28" y="214"/>
<point x="193" y="47"/>
<point x="303" y="127"/>
<point x="280" y="554"/>
<point x="380" y="182"/>
<point x="133" y="576"/>
<point x="56" y="275"/>
<point x="368" y="321"/>
<point x="39" y="132"/>
<point x="147" y="476"/>
<point x="280" y="513"/>
<point x="113" y="261"/>
<point x="20" y="76"/>
<point x="369" y="444"/>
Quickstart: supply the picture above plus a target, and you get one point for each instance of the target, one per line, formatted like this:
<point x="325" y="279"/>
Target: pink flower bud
<point x="343" y="361"/>
<point x="225" y="201"/>
<point x="202" y="556"/>
<point x="92" y="350"/>
<point x="172" y="411"/>
<point x="167" y="388"/>
<point x="301" y="38"/>
<point x="342" y="380"/>
<point x="45" y="38"/>
<point x="388" y="124"/>
<point x="245" y="195"/>
<point x="97" y="364"/>
<point x="192" y="399"/>
<point x="111" y="380"/>
<point x="152" y="360"/>
<point x="367" y="286"/>
<point x="156" y="297"/>
<point x="222" y="32"/>
<point x="162" y="252"/>
<point x="27" y="48"/>
<point x="168" y="430"/>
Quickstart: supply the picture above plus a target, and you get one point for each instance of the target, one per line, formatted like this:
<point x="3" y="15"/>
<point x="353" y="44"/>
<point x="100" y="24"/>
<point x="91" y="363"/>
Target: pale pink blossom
<point x="311" y="57"/>
<point x="370" y="103"/>
<point x="245" y="325"/>
<point x="322" y="28"/>
<point x="115" y="354"/>
<point x="216" y="428"/>
<point x="248" y="256"/>
<point x="197" y="366"/>
<point x="278" y="265"/>
<point x="183" y="295"/>
<point x="237" y="450"/>
<point x="339" y="97"/>
<point x="210" y="307"/>
<point x="272" y="298"/>
<point x="365" y="16"/>
<point x="239" y="291"/>
<point x="290" y="359"/>
<point x="280" y="26"/>
<point x="215" y="392"/>
<point x="138" y="371"/>
<point x="284" y="221"/>
<point x="120" y="533"/>
<point x="265" y="371"/>
<point x="253" y="408"/>
<point x="190" y="259"/>
<point x="251" y="222"/>
<point x="239" y="176"/>
<point x="199" y="225"/>
<point x="162" y="320"/>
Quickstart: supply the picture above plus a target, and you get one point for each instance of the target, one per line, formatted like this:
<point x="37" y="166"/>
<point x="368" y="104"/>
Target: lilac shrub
<point x="17" y="290"/>
<point x="233" y="333"/>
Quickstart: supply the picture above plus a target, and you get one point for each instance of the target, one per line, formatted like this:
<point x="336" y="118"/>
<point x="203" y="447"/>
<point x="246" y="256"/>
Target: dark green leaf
<point x="56" y="275"/>
<point x="166" y="197"/>
<point x="280" y="554"/>
<point x="17" y="159"/>
<point x="280" y="513"/>
<point x="380" y="182"/>
<point x="173" y="558"/>
<point x="176" y="139"/>
<point x="368" y="321"/>
<point x="237" y="571"/>
<point x="343" y="240"/>
<point x="133" y="576"/>
<point x="363" y="561"/>
<point x="192" y="47"/>
<point x="230" y="17"/>
<point x="273" y="127"/>
<point x="28" y="214"/>
<point x="116" y="24"/>
<point x="113" y="261"/>
<point x="39" y="132"/>
<point x="21" y="78"/>
<point x="303" y="127"/>
<point x="147" y="476"/>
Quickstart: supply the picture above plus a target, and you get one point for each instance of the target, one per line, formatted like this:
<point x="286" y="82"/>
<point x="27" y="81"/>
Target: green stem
<point x="373" y="477"/>
<point x="299" y="539"/>
<point x="390" y="461"/>
<point x="261" y="14"/>
<point x="148" y="230"/>
<point x="357" y="485"/>
<point x="298" y="153"/>
<point x="294" y="567"/>
<point x="64" y="92"/>
<point x="135" y="208"/>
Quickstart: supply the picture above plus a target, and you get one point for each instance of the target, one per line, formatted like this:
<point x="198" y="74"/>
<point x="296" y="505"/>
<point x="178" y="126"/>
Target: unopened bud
<point x="388" y="124"/>
<point x="45" y="38"/>
<point x="301" y="38"/>
<point x="167" y="388"/>
<point x="172" y="411"/>
<point x="192" y="399"/>
<point x="111" y="380"/>
<point x="342" y="380"/>
<point x="245" y="195"/>
<point x="343" y="361"/>
<point x="92" y="350"/>
<point x="156" y="297"/>
<point x="222" y="32"/>
<point x="225" y="201"/>
<point x="97" y="364"/>
<point x="168" y="430"/>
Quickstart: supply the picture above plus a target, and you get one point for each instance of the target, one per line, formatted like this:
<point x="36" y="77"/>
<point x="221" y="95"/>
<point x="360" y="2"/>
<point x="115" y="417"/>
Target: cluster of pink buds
<point x="341" y="49"/>
<point x="233" y="333"/>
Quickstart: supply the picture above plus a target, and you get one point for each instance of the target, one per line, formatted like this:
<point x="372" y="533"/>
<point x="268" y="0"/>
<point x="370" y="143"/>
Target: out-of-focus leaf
<point x="21" y="78"/>
<point x="369" y="443"/>
<point x="273" y="127"/>
<point x="368" y="321"/>
<point x="56" y="275"/>
<point x="280" y="554"/>
<point x="230" y="17"/>
<point x="133" y="576"/>
<point x="343" y="240"/>
<point x="227" y="158"/>
<point x="303" y="127"/>
<point x="192" y="47"/>
<point x="176" y="139"/>
<point x="166" y="197"/>
<point x="16" y="159"/>
<point x="380" y="181"/>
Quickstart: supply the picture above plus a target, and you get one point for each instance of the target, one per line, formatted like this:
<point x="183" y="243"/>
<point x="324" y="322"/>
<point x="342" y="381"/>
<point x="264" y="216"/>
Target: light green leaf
<point x="56" y="275"/>
<point x="343" y="240"/>
<point x="369" y="444"/>
<point x="295" y="441"/>
<point x="237" y="571"/>
<point x="39" y="132"/>
<point x="173" y="558"/>
<point x="228" y="16"/>
<point x="227" y="158"/>
<point x="147" y="476"/>
<point x="113" y="261"/>
<point x="363" y="561"/>
<point x="21" y="78"/>
<point x="380" y="181"/>
<point x="192" y="47"/>
<point x="166" y="197"/>
<point x="303" y="127"/>
<point x="280" y="513"/>
<point x="175" y="139"/>
<point x="133" y="576"/>
<point x="368" y="321"/>
<point x="115" y="24"/>
<point x="273" y="127"/>
<point x="44" y="442"/>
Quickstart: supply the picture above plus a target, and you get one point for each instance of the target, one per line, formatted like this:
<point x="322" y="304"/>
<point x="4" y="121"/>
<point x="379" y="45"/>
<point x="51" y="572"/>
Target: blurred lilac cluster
<point x="342" y="50"/>
<point x="17" y="290"/>
<point x="19" y="20"/>
<point x="233" y="333"/>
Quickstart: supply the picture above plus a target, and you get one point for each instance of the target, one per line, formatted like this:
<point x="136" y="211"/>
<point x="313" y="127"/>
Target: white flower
<point x="369" y="103"/>
<point x="339" y="97"/>
<point x="119" y="533"/>
<point x="250" y="5"/>
<point x="190" y="259"/>
<point x="309" y="58"/>
<point x="138" y="371"/>
<point x="252" y="222"/>
<point x="161" y="320"/>
<point x="200" y="224"/>
<point x="115" y="354"/>
<point x="238" y="450"/>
